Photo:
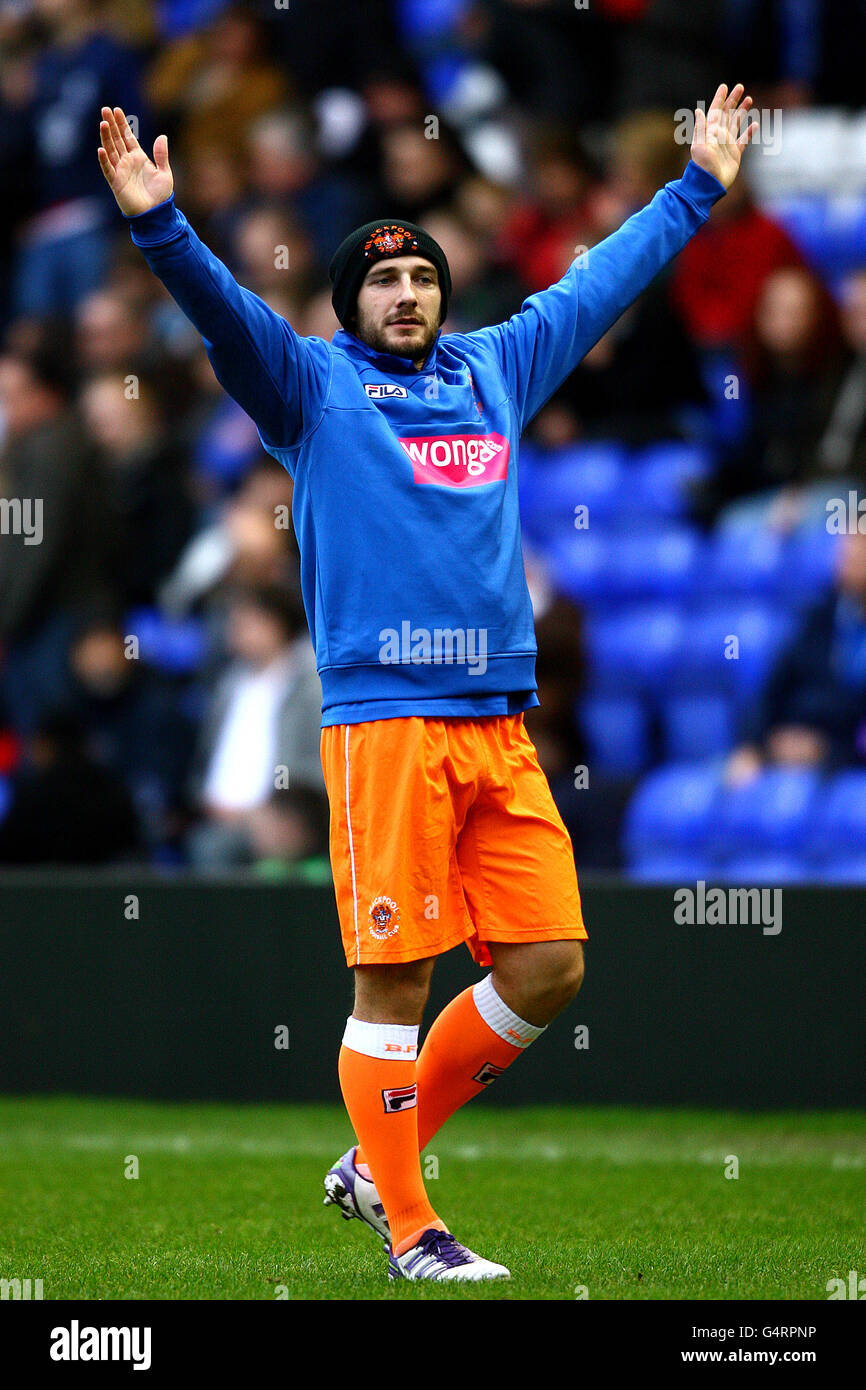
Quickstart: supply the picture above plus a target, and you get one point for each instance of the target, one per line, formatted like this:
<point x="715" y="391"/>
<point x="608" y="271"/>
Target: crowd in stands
<point x="701" y="624"/>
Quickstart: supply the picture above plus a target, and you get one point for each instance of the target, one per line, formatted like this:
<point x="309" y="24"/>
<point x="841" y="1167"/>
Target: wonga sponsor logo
<point x="458" y="460"/>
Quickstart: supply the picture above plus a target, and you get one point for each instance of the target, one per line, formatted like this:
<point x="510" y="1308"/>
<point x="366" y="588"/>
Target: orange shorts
<point x="445" y="830"/>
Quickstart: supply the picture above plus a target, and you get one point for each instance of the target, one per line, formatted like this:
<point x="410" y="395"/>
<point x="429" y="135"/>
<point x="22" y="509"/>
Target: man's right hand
<point x="137" y="182"/>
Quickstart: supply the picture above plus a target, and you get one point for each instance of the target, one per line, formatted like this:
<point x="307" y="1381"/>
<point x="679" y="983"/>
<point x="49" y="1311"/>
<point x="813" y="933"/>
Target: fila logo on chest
<point x="385" y="390"/>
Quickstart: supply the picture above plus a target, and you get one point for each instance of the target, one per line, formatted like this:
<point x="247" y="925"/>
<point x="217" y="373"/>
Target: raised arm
<point x="277" y="376"/>
<point x="540" y="346"/>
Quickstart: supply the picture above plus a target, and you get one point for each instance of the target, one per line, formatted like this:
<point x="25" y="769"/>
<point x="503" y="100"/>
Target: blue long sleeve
<point x="279" y="378"/>
<point x="540" y="346"/>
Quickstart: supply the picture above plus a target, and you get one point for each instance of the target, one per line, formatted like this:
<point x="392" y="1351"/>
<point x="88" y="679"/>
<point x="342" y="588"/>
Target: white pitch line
<point x="537" y="1150"/>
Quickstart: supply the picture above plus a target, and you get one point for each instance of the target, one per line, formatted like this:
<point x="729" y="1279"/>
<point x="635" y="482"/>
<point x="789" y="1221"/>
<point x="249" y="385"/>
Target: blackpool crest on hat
<point x="389" y="240"/>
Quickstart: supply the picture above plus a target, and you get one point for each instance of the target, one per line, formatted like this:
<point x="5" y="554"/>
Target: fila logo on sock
<point x="400" y="1098"/>
<point x="488" y="1073"/>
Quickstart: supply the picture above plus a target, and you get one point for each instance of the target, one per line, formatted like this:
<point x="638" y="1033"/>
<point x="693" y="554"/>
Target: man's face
<point x="399" y="305"/>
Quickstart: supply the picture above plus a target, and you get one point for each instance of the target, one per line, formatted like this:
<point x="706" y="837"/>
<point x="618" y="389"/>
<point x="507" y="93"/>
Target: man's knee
<point x="392" y="993"/>
<point x="575" y="969"/>
<point x="562" y="972"/>
<point x="542" y="976"/>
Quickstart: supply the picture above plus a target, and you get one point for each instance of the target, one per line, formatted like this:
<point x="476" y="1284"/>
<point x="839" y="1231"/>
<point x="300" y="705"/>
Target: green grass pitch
<point x="626" y="1204"/>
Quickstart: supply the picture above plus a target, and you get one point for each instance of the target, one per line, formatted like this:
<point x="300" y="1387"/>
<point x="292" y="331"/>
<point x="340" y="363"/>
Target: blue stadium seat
<point x="708" y="657"/>
<point x="842" y="873"/>
<point x="632" y="650"/>
<point x="660" y="477"/>
<point x="590" y="475"/>
<point x="746" y="561"/>
<point x="757" y="871"/>
<point x="761" y="632"/>
<point x="656" y="561"/>
<point x="176" y="646"/>
<point x="696" y="726"/>
<point x="838" y="833"/>
<point x="424" y="19"/>
<point x="671" y="813"/>
<point x="580" y="566"/>
<point x="227" y="446"/>
<point x="674" y="869"/>
<point x="830" y="232"/>
<point x="616" y="732"/>
<point x="770" y="815"/>
<point x="810" y="559"/>
<point x="729" y="414"/>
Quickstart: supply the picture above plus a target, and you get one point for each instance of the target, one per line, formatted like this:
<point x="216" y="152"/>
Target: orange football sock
<point x="463" y="1054"/>
<point x="474" y="1039"/>
<point x="381" y="1098"/>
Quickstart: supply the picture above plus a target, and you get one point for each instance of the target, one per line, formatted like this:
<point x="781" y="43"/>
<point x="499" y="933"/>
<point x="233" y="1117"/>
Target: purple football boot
<point x="356" y="1196"/>
<point x="439" y="1255"/>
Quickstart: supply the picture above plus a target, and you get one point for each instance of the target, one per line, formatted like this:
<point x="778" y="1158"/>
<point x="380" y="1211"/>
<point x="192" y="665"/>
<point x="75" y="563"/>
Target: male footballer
<point x="402" y="443"/>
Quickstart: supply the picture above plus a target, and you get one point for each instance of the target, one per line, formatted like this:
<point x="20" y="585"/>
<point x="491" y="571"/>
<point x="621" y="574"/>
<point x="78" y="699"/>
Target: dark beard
<point x="376" y="340"/>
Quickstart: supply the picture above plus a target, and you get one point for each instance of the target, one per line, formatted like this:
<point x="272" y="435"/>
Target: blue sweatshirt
<point x="405" y="482"/>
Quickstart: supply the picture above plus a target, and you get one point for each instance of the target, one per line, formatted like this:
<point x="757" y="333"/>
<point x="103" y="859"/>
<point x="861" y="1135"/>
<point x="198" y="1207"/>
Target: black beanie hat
<point x="375" y="241"/>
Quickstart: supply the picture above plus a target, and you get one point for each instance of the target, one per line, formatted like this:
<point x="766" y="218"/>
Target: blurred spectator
<point x="419" y="173"/>
<point x="542" y="235"/>
<point x="225" y="442"/>
<point x="214" y="196"/>
<point x="813" y="709"/>
<point x="145" y="472"/>
<point x="351" y="123"/>
<point x="718" y="276"/>
<point x="591" y="804"/>
<point x="107" y="332"/>
<point x="624" y="388"/>
<point x="334" y="45"/>
<point x="64" y="565"/>
<point x="799" y="51"/>
<point x="791" y="358"/>
<point x="179" y="17"/>
<point x="289" y="835"/>
<point x="133" y="722"/>
<point x="484" y="206"/>
<point x="554" y="60"/>
<point x="209" y="86"/>
<point x="481" y="293"/>
<point x="66" y="808"/>
<point x="666" y="52"/>
<point x="16" y="173"/>
<point x="560" y="673"/>
<point x="262" y="725"/>
<point x="79" y="67"/>
<point x="284" y="168"/>
<point x="841" y="450"/>
<point x="274" y="258"/>
<point x="643" y="157"/>
<point x="246" y="543"/>
<point x="318" y="318"/>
